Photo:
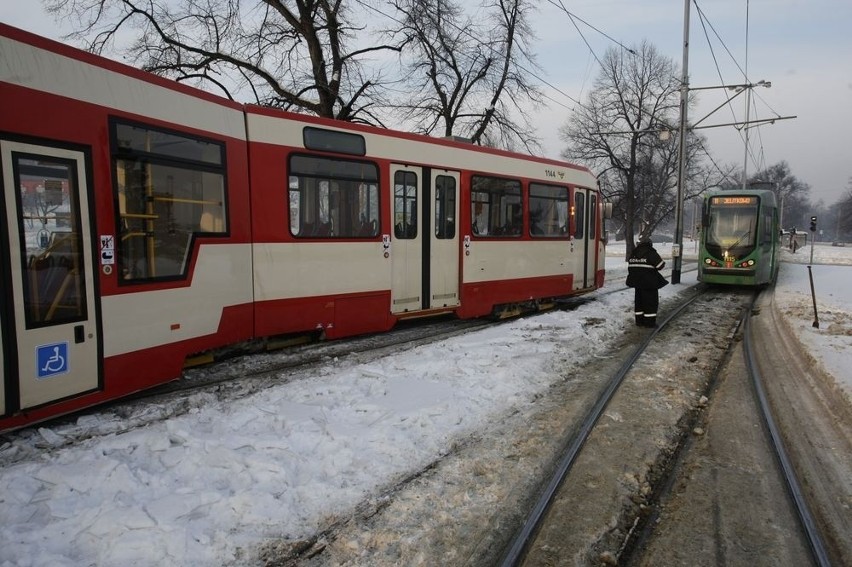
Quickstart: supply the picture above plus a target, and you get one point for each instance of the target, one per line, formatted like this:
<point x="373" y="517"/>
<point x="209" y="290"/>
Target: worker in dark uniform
<point x="643" y="275"/>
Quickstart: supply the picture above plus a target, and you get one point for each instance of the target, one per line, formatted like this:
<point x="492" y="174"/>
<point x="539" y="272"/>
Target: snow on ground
<point x="206" y="487"/>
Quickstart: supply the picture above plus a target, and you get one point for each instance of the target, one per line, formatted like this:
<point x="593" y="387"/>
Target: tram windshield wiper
<point x="740" y="239"/>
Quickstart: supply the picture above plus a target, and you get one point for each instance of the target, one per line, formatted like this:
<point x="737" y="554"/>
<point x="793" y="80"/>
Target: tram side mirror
<point x="607" y="210"/>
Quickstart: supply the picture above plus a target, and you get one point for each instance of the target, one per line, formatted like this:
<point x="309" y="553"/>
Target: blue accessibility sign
<point x="51" y="360"/>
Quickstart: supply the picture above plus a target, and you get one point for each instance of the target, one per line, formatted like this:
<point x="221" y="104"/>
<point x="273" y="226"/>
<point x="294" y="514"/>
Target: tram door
<point x="50" y="336"/>
<point x="3" y="371"/>
<point x="585" y="229"/>
<point x="443" y="206"/>
<point x="407" y="238"/>
<point x="425" y="242"/>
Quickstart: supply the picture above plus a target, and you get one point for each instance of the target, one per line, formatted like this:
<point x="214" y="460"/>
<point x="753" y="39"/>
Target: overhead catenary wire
<point x="554" y="93"/>
<point x="575" y="17"/>
<point x="740" y="129"/>
<point x="759" y="162"/>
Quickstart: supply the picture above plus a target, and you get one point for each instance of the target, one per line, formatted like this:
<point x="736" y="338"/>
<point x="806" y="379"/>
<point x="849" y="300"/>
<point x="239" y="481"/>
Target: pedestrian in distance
<point x="643" y="275"/>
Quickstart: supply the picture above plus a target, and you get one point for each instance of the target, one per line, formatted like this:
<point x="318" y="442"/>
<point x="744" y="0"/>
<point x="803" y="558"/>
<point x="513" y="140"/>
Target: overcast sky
<point x="803" y="47"/>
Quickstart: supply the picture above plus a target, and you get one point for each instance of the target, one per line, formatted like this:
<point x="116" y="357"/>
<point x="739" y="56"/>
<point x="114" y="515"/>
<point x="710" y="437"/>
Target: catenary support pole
<point x="677" y="248"/>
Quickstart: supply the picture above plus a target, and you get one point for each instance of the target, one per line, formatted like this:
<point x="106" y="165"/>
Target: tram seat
<point x="368" y="228"/>
<point x="405" y="230"/>
<point x="324" y="229"/>
<point x="50" y="281"/>
<point x="209" y="222"/>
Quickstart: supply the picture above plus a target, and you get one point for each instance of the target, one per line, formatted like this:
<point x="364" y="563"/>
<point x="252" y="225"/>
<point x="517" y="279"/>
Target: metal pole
<point x="694" y="225"/>
<point x="681" y="150"/>
<point x="813" y="294"/>
<point x="745" y="129"/>
<point x="813" y="237"/>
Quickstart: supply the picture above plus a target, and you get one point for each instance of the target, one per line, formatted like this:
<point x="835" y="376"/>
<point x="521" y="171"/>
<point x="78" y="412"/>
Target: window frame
<point x="36" y="270"/>
<point x="405" y="226"/>
<point x="143" y="159"/>
<point x="501" y="204"/>
<point x="563" y="230"/>
<point x="329" y="198"/>
<point x="446" y="197"/>
<point x="578" y="211"/>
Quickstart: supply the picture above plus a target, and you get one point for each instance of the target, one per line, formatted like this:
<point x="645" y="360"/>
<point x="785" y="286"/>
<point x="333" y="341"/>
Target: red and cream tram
<point x="144" y="222"/>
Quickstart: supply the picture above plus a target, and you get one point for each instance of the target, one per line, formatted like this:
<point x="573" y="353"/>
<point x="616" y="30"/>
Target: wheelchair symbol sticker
<point x="51" y="360"/>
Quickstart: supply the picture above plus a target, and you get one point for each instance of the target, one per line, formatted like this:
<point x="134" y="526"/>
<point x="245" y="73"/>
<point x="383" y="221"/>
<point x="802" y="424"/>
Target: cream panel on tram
<point x="53" y="73"/>
<point x="283" y="131"/>
<point x="142" y="320"/>
<point x="504" y="260"/>
<point x="312" y="269"/>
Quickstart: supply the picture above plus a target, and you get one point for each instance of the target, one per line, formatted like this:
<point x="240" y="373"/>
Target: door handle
<point x="79" y="334"/>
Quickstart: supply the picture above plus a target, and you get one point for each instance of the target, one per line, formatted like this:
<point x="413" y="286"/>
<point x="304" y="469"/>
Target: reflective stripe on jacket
<point x="643" y="267"/>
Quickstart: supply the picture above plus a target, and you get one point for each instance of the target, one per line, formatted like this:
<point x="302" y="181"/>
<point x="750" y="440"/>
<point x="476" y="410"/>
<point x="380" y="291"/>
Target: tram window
<point x="496" y="208"/>
<point x="548" y="210"/>
<point x="138" y="139"/>
<point x="405" y="204"/>
<point x="731" y="225"/>
<point x="169" y="188"/>
<point x="445" y="207"/>
<point x="334" y="141"/>
<point x="769" y="234"/>
<point x="333" y="198"/>
<point x="50" y="235"/>
<point x="580" y="214"/>
<point x="593" y="218"/>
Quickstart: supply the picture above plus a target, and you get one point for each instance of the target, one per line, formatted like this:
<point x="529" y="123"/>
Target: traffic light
<point x="813" y="224"/>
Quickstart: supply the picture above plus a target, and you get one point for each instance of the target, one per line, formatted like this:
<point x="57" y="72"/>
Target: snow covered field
<point x="207" y="487"/>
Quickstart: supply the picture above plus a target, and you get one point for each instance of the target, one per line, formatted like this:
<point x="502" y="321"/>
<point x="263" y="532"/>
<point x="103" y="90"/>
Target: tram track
<point x="526" y="535"/>
<point x="538" y="541"/>
<point x="813" y="430"/>
<point x="463" y="508"/>
<point x="752" y="522"/>
<point x="791" y="479"/>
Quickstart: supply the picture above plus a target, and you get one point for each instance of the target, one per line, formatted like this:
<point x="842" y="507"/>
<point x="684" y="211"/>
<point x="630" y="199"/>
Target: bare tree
<point x="834" y="220"/>
<point x="291" y="54"/>
<point x="466" y="77"/>
<point x="618" y="133"/>
<point x="793" y="194"/>
<point x="843" y="215"/>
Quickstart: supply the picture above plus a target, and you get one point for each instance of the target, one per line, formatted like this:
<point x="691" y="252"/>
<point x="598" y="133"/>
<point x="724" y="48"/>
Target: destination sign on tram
<point x="734" y="200"/>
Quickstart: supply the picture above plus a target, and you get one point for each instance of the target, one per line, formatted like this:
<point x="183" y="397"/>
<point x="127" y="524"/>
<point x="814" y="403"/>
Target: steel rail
<point x="525" y="535"/>
<point x="806" y="519"/>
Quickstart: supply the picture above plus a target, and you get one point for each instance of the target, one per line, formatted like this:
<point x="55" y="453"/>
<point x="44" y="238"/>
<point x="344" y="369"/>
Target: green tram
<point x="740" y="238"/>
